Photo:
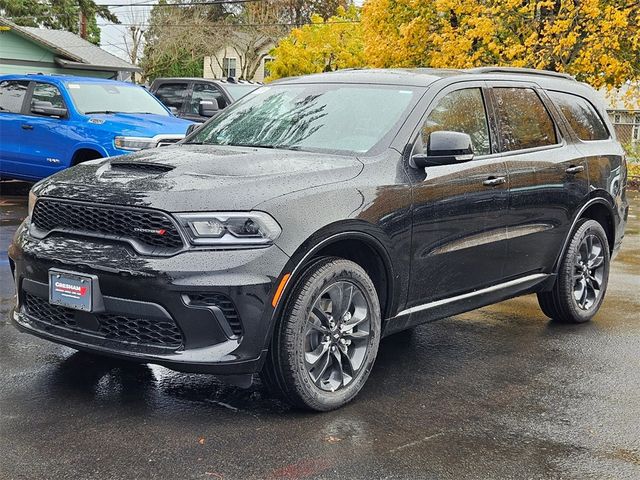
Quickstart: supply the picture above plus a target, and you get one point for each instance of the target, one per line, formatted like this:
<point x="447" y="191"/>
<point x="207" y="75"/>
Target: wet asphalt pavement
<point x="496" y="393"/>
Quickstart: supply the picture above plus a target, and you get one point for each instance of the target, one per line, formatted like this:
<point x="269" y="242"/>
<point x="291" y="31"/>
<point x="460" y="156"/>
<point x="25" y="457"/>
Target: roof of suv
<point x="425" y="76"/>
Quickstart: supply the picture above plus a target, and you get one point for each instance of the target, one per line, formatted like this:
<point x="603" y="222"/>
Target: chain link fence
<point x="628" y="134"/>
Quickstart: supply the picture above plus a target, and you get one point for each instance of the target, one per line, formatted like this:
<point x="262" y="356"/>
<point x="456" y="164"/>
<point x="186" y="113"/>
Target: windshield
<point x="239" y="90"/>
<point x="113" y="98"/>
<point x="313" y="117"/>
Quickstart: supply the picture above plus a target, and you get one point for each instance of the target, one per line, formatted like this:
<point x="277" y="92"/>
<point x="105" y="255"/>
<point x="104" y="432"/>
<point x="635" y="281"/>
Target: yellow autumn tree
<point x="598" y="41"/>
<point x="322" y="46"/>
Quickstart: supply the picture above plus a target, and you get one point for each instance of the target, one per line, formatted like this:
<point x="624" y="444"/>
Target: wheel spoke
<point x="596" y="261"/>
<point x="357" y="335"/>
<point x="341" y="295"/>
<point x="322" y="316"/>
<point x="312" y="358"/>
<point x="323" y="369"/>
<point x="317" y="327"/>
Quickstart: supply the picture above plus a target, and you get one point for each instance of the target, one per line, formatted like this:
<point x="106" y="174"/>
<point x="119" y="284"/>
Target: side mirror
<point x="192" y="128"/>
<point x="46" y="108"/>
<point x="445" y="148"/>
<point x="173" y="110"/>
<point x="208" y="108"/>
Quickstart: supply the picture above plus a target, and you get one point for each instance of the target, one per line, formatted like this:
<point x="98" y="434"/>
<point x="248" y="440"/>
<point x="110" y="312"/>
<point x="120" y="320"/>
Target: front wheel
<point x="327" y="340"/>
<point x="582" y="278"/>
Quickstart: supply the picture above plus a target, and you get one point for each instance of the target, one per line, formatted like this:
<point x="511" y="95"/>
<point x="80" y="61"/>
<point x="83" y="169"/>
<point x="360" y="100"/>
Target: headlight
<point x="229" y="228"/>
<point x="32" y="201"/>
<point x="134" y="143"/>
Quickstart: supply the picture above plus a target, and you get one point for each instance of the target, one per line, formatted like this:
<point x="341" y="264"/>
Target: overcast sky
<point x="112" y="36"/>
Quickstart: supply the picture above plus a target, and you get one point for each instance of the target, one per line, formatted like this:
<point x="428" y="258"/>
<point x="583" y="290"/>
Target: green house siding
<point x="14" y="47"/>
<point x="19" y="55"/>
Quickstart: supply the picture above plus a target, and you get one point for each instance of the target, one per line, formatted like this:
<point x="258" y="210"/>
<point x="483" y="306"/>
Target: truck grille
<point x="120" y="328"/>
<point x="150" y="231"/>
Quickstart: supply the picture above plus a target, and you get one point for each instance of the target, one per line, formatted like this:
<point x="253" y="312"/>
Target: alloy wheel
<point x="588" y="272"/>
<point x="337" y="336"/>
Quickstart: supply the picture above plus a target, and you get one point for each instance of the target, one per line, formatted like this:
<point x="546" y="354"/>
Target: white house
<point x="246" y="57"/>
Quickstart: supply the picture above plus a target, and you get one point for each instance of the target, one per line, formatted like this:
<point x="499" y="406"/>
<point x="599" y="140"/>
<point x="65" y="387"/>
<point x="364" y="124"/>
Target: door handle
<point x="493" y="181"/>
<point x="26" y="126"/>
<point x="575" y="169"/>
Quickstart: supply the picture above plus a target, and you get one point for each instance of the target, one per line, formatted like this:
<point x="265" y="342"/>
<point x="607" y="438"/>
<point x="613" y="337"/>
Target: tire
<point x="582" y="278"/>
<point x="317" y="362"/>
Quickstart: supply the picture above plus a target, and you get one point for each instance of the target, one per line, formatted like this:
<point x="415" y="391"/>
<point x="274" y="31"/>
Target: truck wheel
<point x="325" y="344"/>
<point x="582" y="278"/>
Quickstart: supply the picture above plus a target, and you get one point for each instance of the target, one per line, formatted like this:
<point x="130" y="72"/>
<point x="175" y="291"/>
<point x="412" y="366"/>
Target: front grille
<point x="221" y="301"/>
<point x="150" y="230"/>
<point x="119" y="328"/>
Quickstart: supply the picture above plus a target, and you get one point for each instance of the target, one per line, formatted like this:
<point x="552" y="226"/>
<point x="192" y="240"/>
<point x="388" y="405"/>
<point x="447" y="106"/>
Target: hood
<point x="140" y="124"/>
<point x="185" y="178"/>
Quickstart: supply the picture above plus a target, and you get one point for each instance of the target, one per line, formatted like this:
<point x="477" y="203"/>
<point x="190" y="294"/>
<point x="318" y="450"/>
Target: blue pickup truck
<point x="52" y="122"/>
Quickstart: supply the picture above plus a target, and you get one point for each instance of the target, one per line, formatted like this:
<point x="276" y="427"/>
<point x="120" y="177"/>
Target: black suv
<point x="198" y="99"/>
<point x="293" y="230"/>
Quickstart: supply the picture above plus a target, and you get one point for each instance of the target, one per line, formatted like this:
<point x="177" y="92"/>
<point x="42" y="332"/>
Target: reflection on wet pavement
<point x="495" y="393"/>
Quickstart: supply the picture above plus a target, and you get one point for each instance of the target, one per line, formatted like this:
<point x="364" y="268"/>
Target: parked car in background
<point x="292" y="231"/>
<point x="52" y="122"/>
<point x="198" y="99"/>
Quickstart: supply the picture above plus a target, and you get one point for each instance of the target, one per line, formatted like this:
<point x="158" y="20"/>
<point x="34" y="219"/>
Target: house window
<point x="228" y="67"/>
<point x="636" y="119"/>
<point x="635" y="134"/>
<point x="617" y="118"/>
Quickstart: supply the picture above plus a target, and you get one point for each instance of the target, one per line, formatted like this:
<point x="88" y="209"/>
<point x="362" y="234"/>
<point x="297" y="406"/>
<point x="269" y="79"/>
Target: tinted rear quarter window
<point x="581" y="115"/>
<point x="523" y="120"/>
<point x="12" y="93"/>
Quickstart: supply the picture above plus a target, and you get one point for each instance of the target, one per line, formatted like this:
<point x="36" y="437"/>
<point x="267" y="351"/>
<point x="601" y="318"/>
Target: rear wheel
<point x="327" y="340"/>
<point x="582" y="278"/>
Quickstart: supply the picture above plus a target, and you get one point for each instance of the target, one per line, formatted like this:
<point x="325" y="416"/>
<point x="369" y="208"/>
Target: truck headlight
<point x="229" y="228"/>
<point x="134" y="143"/>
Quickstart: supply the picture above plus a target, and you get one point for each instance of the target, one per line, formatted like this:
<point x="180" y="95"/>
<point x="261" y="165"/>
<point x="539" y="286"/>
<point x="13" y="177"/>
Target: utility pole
<point x="82" y="24"/>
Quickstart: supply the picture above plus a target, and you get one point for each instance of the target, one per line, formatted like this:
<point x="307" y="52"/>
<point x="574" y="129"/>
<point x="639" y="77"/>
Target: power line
<point x="207" y="2"/>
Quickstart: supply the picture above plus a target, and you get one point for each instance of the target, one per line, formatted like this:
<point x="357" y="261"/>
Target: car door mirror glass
<point x="444" y="148"/>
<point x="46" y="108"/>
<point x="208" y="108"/>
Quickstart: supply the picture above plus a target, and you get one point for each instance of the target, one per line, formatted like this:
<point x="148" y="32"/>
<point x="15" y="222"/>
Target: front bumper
<point x="198" y="311"/>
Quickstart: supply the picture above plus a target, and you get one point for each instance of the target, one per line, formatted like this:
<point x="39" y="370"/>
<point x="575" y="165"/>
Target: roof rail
<point x="516" y="70"/>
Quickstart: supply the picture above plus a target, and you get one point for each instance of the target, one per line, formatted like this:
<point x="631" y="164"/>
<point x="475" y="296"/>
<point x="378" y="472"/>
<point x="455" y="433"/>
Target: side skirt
<point x="467" y="301"/>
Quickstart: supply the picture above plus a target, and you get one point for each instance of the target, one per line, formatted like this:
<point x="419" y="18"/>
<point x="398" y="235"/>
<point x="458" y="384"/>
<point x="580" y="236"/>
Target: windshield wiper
<point x="110" y="112"/>
<point x="257" y="145"/>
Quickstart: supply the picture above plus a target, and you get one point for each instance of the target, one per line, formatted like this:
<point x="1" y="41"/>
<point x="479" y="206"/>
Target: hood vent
<point x="141" y="167"/>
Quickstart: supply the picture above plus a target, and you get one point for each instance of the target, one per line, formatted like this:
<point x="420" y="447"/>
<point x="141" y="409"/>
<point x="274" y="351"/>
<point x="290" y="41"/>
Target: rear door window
<point x="581" y="115"/>
<point x="523" y="120"/>
<point x="172" y="94"/>
<point x="12" y="93"/>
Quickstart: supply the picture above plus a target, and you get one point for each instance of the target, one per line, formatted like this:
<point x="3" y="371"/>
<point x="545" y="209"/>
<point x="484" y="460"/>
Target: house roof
<point x="623" y="99"/>
<point x="72" y="50"/>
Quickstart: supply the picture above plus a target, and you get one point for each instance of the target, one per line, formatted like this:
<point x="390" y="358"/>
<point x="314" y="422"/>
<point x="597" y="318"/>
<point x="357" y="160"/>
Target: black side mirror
<point x="46" y="108"/>
<point x="445" y="148"/>
<point x="192" y="128"/>
<point x="208" y="108"/>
